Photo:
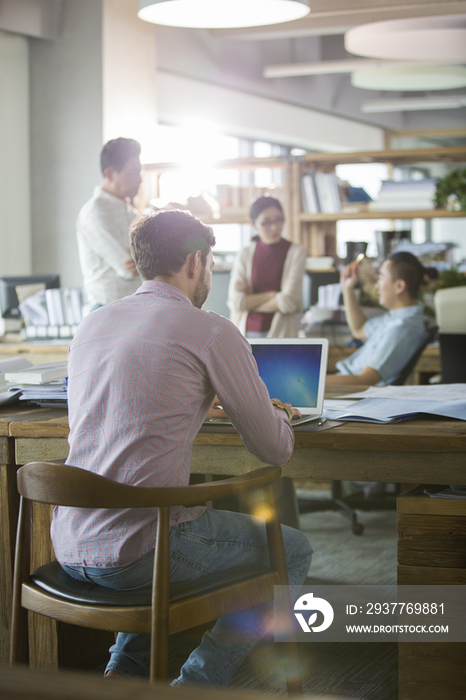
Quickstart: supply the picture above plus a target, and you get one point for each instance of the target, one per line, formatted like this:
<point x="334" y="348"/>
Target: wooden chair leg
<point x="294" y="682"/>
<point x="160" y="599"/>
<point x="19" y="652"/>
<point x="284" y="608"/>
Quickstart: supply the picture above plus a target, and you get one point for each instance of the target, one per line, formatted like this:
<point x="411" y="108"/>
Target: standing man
<point x="143" y="373"/>
<point x="109" y="271"/>
<point x="392" y="339"/>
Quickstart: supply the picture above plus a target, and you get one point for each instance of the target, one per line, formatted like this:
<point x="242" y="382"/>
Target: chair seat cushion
<point x="52" y="579"/>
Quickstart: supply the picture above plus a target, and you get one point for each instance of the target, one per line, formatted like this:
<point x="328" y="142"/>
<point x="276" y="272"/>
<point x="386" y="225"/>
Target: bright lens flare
<point x="262" y="510"/>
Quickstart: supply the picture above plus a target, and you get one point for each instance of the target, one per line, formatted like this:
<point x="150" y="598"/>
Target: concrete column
<point x="15" y="213"/>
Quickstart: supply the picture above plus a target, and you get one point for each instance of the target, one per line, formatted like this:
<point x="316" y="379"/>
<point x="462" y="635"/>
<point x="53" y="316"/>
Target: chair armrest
<point x="61" y="484"/>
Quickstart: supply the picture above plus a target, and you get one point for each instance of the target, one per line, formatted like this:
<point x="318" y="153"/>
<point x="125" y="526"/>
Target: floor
<point x="342" y="671"/>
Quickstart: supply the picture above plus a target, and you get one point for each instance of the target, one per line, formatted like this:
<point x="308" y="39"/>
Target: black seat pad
<point x="52" y="579"/>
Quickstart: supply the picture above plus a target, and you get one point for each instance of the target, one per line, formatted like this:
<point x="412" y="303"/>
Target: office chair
<point x="453" y="357"/>
<point x="450" y="311"/>
<point x="163" y="609"/>
<point x="348" y="505"/>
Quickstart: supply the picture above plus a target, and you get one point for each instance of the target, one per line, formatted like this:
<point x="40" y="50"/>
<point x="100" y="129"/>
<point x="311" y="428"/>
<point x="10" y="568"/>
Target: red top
<point x="267" y="271"/>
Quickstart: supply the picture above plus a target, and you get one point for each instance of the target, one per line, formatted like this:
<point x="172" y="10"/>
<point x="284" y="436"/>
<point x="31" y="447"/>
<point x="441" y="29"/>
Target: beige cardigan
<point x="289" y="298"/>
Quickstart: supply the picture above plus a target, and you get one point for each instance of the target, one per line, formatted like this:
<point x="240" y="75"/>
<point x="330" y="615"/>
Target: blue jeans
<point x="215" y="541"/>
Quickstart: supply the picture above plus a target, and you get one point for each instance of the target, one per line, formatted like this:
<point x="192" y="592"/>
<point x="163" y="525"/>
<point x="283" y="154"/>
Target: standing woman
<point x="265" y="293"/>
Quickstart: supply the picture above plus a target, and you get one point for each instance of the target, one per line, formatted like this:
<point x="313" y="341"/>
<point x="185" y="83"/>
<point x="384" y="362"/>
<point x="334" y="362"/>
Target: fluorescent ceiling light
<point x="286" y="70"/>
<point x="414" y="78"/>
<point x="221" y="14"/>
<point x="415" y="104"/>
<point x="422" y="38"/>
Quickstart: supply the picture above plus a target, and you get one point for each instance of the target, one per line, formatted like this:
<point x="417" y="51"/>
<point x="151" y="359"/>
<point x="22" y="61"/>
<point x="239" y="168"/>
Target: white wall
<point x="89" y="85"/>
<point x="129" y="65"/>
<point x="15" y="222"/>
<point x="181" y="100"/>
<point x="66" y="135"/>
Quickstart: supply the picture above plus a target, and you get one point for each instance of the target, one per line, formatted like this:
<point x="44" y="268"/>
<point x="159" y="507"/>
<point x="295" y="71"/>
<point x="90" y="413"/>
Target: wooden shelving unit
<point x="318" y="231"/>
<point x="153" y="172"/>
<point x="401" y="214"/>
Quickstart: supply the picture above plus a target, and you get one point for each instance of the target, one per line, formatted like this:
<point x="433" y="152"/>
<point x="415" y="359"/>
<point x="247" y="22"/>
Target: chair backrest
<point x="64" y="485"/>
<point x="450" y="309"/>
<point x="453" y="357"/>
<point x="408" y="368"/>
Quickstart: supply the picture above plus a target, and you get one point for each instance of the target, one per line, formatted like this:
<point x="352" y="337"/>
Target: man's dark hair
<point x="117" y="152"/>
<point x="161" y="242"/>
<point x="261" y="203"/>
<point x="408" y="268"/>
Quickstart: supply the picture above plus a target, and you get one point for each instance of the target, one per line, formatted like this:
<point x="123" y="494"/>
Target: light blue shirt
<point x="392" y="339"/>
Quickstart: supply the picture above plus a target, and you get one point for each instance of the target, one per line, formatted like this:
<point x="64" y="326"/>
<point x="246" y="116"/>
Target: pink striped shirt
<point x="143" y="372"/>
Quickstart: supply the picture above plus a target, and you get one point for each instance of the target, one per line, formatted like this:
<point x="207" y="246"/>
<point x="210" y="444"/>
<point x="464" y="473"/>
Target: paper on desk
<point x="431" y="392"/>
<point x="12" y="364"/>
<point x="8" y="397"/>
<point x="337" y="404"/>
<point x="388" y="410"/>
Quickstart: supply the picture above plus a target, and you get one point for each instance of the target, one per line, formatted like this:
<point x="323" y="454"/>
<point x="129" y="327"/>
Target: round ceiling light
<point x="221" y="14"/>
<point x="422" y="39"/>
<point x="411" y="78"/>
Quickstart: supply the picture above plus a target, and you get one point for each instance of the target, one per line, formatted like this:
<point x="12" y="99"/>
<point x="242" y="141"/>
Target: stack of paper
<point x="406" y="195"/>
<point x="51" y="394"/>
<point x="13" y="364"/>
<point x="43" y="384"/>
<point x="38" y="374"/>
<point x="395" y="403"/>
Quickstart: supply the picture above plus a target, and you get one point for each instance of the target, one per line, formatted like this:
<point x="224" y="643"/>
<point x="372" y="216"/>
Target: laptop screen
<point x="293" y="370"/>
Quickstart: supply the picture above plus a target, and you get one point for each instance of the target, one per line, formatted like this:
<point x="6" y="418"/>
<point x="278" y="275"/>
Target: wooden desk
<point x="8" y="517"/>
<point x="415" y="451"/>
<point x="37" y="353"/>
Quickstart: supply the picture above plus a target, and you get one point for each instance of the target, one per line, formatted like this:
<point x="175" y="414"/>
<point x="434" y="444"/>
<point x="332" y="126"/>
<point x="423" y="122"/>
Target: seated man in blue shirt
<point x="391" y="339"/>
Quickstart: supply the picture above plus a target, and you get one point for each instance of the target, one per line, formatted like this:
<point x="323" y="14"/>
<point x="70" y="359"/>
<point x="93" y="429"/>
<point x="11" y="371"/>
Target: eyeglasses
<point x="267" y="223"/>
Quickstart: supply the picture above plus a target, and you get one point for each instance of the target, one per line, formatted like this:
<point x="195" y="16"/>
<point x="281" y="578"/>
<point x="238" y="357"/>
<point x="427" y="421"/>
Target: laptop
<point x="294" y="371"/>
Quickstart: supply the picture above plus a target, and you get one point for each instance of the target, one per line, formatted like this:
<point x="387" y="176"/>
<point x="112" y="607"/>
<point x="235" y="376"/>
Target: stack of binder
<point x="52" y="313"/>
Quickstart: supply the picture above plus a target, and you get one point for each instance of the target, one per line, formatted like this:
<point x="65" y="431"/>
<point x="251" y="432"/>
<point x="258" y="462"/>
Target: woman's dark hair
<point x="258" y="206"/>
<point x="117" y="152"/>
<point x="408" y="268"/>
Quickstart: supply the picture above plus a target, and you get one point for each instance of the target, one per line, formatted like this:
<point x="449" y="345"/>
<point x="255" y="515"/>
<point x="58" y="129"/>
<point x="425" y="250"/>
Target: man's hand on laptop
<point x="287" y="407"/>
<point x="215" y="411"/>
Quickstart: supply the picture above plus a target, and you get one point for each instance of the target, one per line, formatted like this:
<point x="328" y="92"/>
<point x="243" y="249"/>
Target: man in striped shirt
<point x="143" y="373"/>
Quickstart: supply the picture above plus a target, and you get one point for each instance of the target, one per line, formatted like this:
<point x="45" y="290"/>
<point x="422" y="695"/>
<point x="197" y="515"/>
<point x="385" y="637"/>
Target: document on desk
<point x="429" y="392"/>
<point x="372" y="410"/>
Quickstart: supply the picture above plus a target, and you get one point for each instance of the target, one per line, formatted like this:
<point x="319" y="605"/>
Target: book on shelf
<point x="323" y="263"/>
<point x="38" y="374"/>
<point x="236" y="200"/>
<point x="405" y="195"/>
<point x="327" y="192"/>
<point x="402" y="205"/>
<point x="354" y="207"/>
<point x="310" y="203"/>
<point x="355" y="195"/>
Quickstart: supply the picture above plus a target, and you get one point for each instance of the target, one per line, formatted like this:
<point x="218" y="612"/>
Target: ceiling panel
<point x="336" y="16"/>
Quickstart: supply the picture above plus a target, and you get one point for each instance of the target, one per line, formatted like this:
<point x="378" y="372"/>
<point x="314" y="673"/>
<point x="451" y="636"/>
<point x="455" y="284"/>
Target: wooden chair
<point x="163" y="610"/>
